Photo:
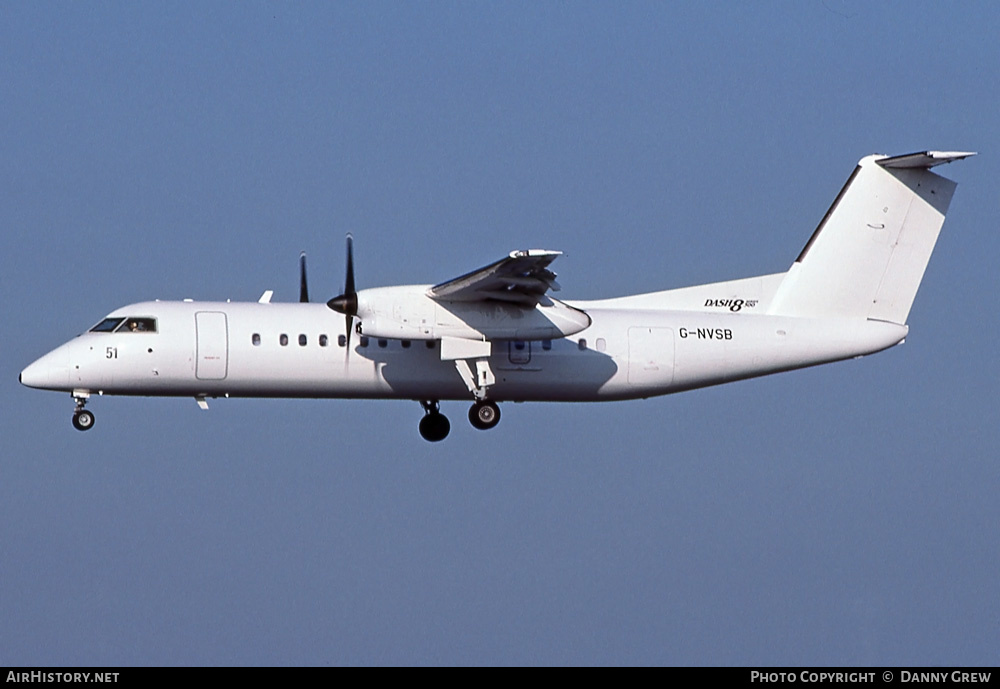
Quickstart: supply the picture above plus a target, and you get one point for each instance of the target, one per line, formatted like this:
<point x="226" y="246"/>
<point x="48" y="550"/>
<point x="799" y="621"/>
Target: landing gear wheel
<point x="434" y="426"/>
<point x="484" y="415"/>
<point x="83" y="420"/>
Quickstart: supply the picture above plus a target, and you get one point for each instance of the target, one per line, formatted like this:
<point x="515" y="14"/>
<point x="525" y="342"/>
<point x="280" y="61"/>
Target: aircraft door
<point x="212" y="354"/>
<point x="650" y="356"/>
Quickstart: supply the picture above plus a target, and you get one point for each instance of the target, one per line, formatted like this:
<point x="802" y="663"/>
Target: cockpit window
<point x="137" y="325"/>
<point x="107" y="325"/>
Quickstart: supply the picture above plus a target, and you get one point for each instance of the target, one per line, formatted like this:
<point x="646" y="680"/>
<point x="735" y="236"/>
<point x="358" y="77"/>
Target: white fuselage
<point x="215" y="349"/>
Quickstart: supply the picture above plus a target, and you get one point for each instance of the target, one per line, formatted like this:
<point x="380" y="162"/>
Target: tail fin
<point x="868" y="255"/>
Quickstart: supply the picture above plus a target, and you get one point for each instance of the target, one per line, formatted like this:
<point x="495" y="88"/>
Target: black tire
<point x="484" y="415"/>
<point x="434" y="427"/>
<point x="83" y="420"/>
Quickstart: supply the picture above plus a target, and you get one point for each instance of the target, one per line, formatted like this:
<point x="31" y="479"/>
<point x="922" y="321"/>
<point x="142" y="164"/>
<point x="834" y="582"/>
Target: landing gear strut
<point x="83" y="420"/>
<point x="435" y="425"/>
<point x="484" y="415"/>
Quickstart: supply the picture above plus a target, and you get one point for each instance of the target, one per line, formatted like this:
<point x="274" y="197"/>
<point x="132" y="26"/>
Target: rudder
<point x="868" y="255"/>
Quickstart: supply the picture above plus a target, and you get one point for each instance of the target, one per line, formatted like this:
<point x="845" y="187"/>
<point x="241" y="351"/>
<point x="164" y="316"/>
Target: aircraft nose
<point x="51" y="372"/>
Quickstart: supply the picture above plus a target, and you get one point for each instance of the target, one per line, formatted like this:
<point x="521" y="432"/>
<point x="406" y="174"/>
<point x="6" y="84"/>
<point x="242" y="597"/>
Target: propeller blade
<point x="349" y="284"/>
<point x="347" y="303"/>
<point x="303" y="285"/>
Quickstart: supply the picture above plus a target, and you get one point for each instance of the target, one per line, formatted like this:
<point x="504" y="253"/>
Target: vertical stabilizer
<point x="869" y="253"/>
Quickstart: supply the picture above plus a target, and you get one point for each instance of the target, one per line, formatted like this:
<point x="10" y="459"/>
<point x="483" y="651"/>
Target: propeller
<point x="303" y="286"/>
<point x="347" y="303"/>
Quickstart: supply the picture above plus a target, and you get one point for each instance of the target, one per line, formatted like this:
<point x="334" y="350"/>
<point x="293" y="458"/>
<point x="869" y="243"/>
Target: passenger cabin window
<point x="406" y="344"/>
<point x="546" y="345"/>
<point x="341" y="340"/>
<point x="383" y="343"/>
<point x="302" y="340"/>
<point x="283" y="340"/>
<point x="324" y="340"/>
<point x="255" y="339"/>
<point x="364" y="341"/>
<point x="582" y="344"/>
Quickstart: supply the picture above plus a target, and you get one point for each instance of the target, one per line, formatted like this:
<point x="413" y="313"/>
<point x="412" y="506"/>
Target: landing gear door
<point x="212" y="350"/>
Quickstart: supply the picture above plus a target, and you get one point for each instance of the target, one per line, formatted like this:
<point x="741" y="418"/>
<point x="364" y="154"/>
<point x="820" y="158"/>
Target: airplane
<point x="497" y="334"/>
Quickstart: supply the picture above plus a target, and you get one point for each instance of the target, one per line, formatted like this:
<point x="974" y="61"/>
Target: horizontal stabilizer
<point x="927" y="159"/>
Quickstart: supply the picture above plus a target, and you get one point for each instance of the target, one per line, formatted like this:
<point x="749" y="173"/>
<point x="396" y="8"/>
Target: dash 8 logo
<point x="731" y="304"/>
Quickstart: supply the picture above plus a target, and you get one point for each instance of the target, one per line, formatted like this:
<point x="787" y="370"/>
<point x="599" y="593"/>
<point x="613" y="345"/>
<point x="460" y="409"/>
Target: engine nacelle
<point x="407" y="313"/>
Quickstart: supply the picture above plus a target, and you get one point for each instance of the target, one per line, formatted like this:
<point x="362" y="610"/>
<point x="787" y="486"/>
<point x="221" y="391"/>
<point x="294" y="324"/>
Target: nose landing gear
<point x="83" y="420"/>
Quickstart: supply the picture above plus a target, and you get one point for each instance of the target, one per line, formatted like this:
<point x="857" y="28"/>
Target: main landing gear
<point x="484" y="415"/>
<point x="472" y="361"/>
<point x="435" y="426"/>
<point x="83" y="420"/>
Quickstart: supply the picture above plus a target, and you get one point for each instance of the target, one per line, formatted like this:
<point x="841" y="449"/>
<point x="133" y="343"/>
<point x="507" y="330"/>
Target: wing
<point x="522" y="278"/>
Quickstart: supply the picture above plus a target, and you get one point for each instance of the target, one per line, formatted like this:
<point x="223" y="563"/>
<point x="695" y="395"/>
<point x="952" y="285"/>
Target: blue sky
<point x="840" y="515"/>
